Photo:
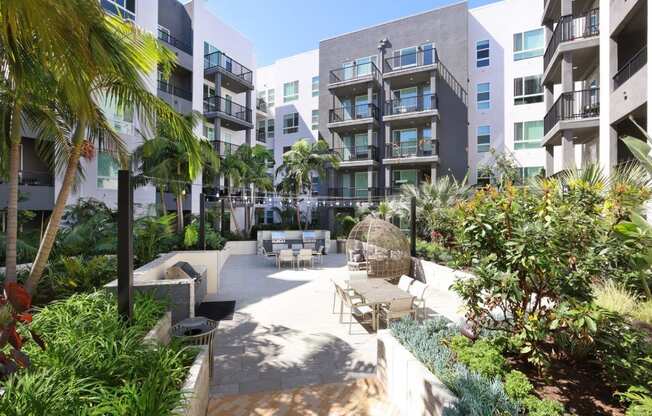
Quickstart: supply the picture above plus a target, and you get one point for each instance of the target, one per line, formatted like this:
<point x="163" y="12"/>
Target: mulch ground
<point x="579" y="386"/>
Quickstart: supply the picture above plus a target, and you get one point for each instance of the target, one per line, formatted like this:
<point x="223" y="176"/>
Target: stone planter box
<point x="195" y="388"/>
<point x="408" y="384"/>
<point x="160" y="333"/>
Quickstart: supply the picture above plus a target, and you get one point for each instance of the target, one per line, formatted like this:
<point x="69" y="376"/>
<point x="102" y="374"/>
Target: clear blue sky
<point x="280" y="28"/>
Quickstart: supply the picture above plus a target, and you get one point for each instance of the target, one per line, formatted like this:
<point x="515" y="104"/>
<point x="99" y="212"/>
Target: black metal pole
<point x="413" y="226"/>
<point x="202" y="222"/>
<point x="222" y="227"/>
<point x="125" y="245"/>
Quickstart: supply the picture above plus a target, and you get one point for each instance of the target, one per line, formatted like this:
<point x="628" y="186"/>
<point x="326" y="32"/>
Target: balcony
<point x="178" y="98"/>
<point x="408" y="69"/>
<point x="233" y="116"/>
<point x="237" y="77"/>
<point x="172" y="41"/>
<point x="112" y="7"/>
<point x="351" y="79"/>
<point x="425" y="150"/>
<point x="37" y="188"/>
<point x="407" y="110"/>
<point x="353" y="193"/>
<point x="357" y="155"/>
<point x="578" y="111"/>
<point x="579" y="35"/>
<point x="261" y="136"/>
<point x="261" y="105"/>
<point x="352" y="118"/>
<point x="632" y="66"/>
<point x="224" y="148"/>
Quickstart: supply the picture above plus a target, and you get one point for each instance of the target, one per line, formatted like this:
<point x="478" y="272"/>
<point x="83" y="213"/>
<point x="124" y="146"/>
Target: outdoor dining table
<point x="377" y="292"/>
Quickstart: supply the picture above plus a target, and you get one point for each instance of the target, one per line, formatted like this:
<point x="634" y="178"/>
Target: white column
<point x="608" y="140"/>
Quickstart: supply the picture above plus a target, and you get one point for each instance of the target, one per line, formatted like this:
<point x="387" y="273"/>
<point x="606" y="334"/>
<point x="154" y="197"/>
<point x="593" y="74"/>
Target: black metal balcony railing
<point x="422" y="57"/>
<point x="222" y="105"/>
<point x="31" y="178"/>
<point x="171" y="40"/>
<point x="418" y="148"/>
<point x="353" y="72"/>
<point x="570" y="28"/>
<point x="117" y="10"/>
<point x="574" y="105"/>
<point x="349" y="154"/>
<point x="221" y="60"/>
<point x="260" y="136"/>
<point x="411" y="104"/>
<point x="352" y="192"/>
<point x="176" y="91"/>
<point x="632" y="66"/>
<point x="356" y="112"/>
<point x="261" y="105"/>
<point x="224" y="148"/>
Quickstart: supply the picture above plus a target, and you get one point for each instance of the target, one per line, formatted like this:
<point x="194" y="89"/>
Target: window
<point x="208" y="131"/>
<point x="528" y="172"/>
<point x="107" y="170"/>
<point x="290" y="91"/>
<point x="528" y="90"/>
<point x="315" y="86"/>
<point x="269" y="217"/>
<point x="482" y="53"/>
<point x="270" y="97"/>
<point x="315" y="119"/>
<point x="405" y="57"/>
<point x="286" y="149"/>
<point x="483" y="96"/>
<point x="528" y="134"/>
<point x="484" y="139"/>
<point x="261" y="131"/>
<point x="121" y="119"/>
<point x="209" y="91"/>
<point x="270" y="128"/>
<point x="528" y="44"/>
<point x="123" y="8"/>
<point x="291" y="123"/>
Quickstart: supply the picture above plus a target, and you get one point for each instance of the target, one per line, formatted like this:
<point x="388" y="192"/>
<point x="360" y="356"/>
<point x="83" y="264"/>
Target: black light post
<point x="413" y="226"/>
<point x="202" y="221"/>
<point x="125" y="245"/>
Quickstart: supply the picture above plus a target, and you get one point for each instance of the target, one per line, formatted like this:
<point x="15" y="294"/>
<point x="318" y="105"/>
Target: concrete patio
<point x="284" y="334"/>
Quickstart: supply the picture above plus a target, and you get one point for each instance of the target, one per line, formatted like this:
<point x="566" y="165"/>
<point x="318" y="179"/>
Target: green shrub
<point x="517" y="386"/>
<point x="96" y="363"/>
<point x="481" y="356"/>
<point x="433" y="251"/>
<point x="542" y="407"/>
<point x="641" y="401"/>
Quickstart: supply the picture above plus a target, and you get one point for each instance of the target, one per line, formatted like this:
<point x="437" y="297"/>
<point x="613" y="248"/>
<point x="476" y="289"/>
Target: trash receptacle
<point x="197" y="331"/>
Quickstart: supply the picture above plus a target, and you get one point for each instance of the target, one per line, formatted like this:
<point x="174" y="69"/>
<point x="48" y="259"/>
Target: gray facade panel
<point x="173" y="16"/>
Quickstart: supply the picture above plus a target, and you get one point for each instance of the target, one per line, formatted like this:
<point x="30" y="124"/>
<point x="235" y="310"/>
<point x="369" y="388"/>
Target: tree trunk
<point x="164" y="209"/>
<point x="55" y="218"/>
<point x="233" y="216"/>
<point x="12" y="198"/>
<point x="179" y="198"/>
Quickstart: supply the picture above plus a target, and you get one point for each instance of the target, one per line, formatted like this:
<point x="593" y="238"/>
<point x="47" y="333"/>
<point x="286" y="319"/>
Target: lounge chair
<point x="304" y="256"/>
<point x="285" y="256"/>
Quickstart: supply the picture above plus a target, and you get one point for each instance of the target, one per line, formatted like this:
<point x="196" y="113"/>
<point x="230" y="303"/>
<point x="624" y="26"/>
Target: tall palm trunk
<point x="233" y="216"/>
<point x="179" y="198"/>
<point x="164" y="209"/>
<point x="12" y="202"/>
<point x="57" y="213"/>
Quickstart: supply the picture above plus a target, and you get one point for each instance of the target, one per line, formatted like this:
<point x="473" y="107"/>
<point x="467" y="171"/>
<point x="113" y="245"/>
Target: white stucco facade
<point x="497" y="23"/>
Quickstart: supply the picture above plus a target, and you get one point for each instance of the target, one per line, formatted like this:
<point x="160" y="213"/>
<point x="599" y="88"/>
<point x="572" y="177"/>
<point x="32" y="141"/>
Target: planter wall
<point x="195" y="388"/>
<point x="240" y="248"/>
<point x="160" y="333"/>
<point x="408" y="384"/>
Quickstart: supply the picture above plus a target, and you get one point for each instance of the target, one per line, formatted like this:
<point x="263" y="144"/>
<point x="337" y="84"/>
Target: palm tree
<point x="42" y="55"/>
<point x="300" y="162"/>
<point x="233" y="168"/>
<point x="165" y="163"/>
<point x="257" y="161"/>
<point x="119" y="58"/>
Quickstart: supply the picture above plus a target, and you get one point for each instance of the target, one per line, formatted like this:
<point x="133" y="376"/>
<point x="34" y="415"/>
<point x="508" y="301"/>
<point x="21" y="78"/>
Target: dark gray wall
<point x="173" y="16"/>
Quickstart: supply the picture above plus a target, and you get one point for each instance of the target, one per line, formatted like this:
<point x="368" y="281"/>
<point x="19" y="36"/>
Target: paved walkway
<point x="284" y="333"/>
<point x="363" y="397"/>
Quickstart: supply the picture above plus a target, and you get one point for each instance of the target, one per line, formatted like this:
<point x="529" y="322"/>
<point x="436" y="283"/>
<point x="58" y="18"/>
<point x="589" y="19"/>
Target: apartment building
<point x="392" y="106"/>
<point x="595" y="78"/>
<point x="213" y="76"/>
<point x="506" y="100"/>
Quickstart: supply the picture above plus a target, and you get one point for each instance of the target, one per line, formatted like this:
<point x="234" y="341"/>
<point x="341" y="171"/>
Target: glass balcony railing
<point x="31" y="178"/>
<point x="356" y="112"/>
<point x="176" y="91"/>
<point x="417" y="148"/>
<point x="228" y="107"/>
<point x="354" y="72"/>
<point x="228" y="64"/>
<point x="411" y="104"/>
<point x="171" y="40"/>
<point x="421" y="57"/>
<point x="349" y="154"/>
<point x="632" y="66"/>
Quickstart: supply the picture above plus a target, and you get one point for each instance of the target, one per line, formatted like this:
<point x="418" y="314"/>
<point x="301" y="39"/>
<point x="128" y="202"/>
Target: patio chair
<point x="267" y="254"/>
<point x="336" y="292"/>
<point x="418" y="290"/>
<point x="304" y="256"/>
<point x="397" y="309"/>
<point x="285" y="256"/>
<point x="405" y="282"/>
<point x="356" y="306"/>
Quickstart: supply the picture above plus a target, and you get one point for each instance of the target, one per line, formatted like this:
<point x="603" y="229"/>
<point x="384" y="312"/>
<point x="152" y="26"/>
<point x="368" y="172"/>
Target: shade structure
<point x="382" y="246"/>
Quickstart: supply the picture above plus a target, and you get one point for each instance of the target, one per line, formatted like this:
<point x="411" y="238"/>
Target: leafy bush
<point x="517" y="386"/>
<point x="434" y="251"/>
<point x="477" y="395"/>
<point x="97" y="364"/>
<point x="641" y="401"/>
<point x="545" y="407"/>
<point x="482" y="356"/>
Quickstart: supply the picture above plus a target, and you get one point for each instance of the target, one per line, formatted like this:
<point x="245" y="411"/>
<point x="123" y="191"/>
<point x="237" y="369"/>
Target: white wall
<point x="497" y="22"/>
